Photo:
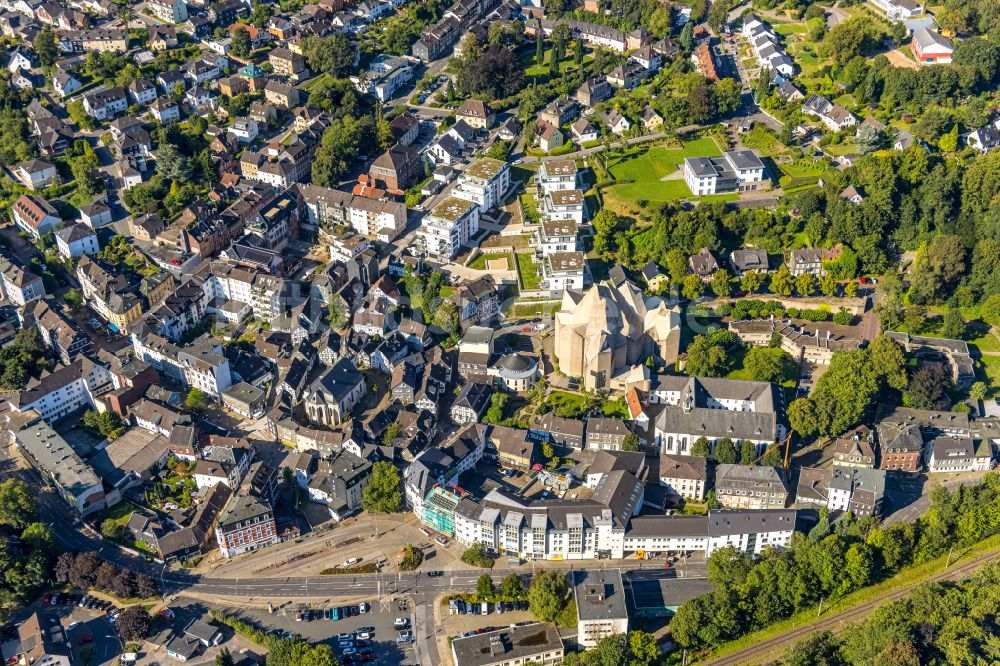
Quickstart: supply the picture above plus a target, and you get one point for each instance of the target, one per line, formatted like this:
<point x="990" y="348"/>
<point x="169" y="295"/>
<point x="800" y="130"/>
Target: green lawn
<point x="530" y="308"/>
<point x="567" y="405"/>
<point x="790" y="28"/>
<point x="479" y="263"/>
<point x="761" y="139"/>
<point x="801" y="168"/>
<point x="541" y="71"/>
<point x="841" y="149"/>
<point x="804" y="53"/>
<point x="646" y="167"/>
<point x="989" y="371"/>
<point x="986" y="343"/>
<point x="528" y="271"/>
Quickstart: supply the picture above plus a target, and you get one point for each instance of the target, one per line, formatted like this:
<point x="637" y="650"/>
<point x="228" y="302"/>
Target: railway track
<point x="758" y="653"/>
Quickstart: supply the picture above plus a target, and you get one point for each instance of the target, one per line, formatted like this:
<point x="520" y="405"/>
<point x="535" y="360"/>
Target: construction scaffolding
<point x="439" y="511"/>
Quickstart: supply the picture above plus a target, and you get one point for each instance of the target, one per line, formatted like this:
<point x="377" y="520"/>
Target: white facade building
<point x="448" y="227"/>
<point x="484" y="183"/>
<point x="555" y="175"/>
<point x="735" y="171"/>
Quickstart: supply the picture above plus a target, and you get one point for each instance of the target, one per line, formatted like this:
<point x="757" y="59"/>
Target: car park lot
<point x="93" y="637"/>
<point x="385" y="649"/>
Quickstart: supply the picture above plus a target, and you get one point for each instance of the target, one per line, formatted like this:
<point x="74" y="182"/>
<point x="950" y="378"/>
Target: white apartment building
<point x="684" y="476"/>
<point x="600" y="605"/>
<point x="20" y="286"/>
<point x="171" y="11"/>
<point x="76" y="240"/>
<point x="585" y="529"/>
<point x="377" y="218"/>
<point x="484" y="183"/>
<point x="562" y="271"/>
<point x="557" y="236"/>
<point x="386" y="74"/>
<point x="564" y="205"/>
<point x="735" y="171"/>
<point x="64" y="390"/>
<point x="448" y="227"/>
<point x="205" y="367"/>
<point x="556" y="175"/>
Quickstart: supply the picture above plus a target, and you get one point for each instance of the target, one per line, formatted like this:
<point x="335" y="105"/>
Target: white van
<point x="353" y="560"/>
<point x="128" y="658"/>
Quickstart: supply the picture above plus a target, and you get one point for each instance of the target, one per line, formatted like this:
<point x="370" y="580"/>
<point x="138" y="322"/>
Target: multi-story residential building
<point x="442" y="466"/>
<point x="563" y="271"/>
<point x="61" y="467"/>
<point x="109" y="293"/>
<point x="858" y="490"/>
<point x="960" y="454"/>
<point x="602" y="526"/>
<point x="106" y="103"/>
<point x="64" y="390"/>
<point x="77" y="240"/>
<point x="855" y="448"/>
<point x="600" y="605"/>
<point x="735" y="171"/>
<point x="834" y="116"/>
<point x="557" y="236"/>
<point x="476" y="114"/>
<point x="448" y="227"/>
<point x="171" y="11"/>
<point x="370" y="217"/>
<point x="287" y="63"/>
<point x="606" y="434"/>
<point x="205" y="366"/>
<point x="559" y="430"/>
<point x="684" y="476"/>
<point x="58" y="332"/>
<point x="555" y="175"/>
<point x="750" y="487"/>
<point x="478" y="302"/>
<point x="954" y="352"/>
<point x="339" y="483"/>
<point x="142" y="91"/>
<point x="522" y="644"/>
<point x="904" y="433"/>
<point x="35" y="174"/>
<point x="810" y="260"/>
<point x="815" y="344"/>
<point x="712" y="408"/>
<point x="19" y="285"/>
<point x="246" y="524"/>
<point x="385" y="75"/>
<point x="484" y="183"/>
<point x="563" y="205"/>
<point x="471" y="403"/>
<point x="35" y="215"/>
<point x="281" y="94"/>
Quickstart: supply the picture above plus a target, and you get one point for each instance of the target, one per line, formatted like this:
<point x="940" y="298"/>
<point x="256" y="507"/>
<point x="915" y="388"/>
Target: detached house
<point x="105" y="104"/>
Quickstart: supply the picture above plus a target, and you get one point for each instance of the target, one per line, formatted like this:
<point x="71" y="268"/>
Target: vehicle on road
<point x="435" y="574"/>
<point x="128" y="658"/>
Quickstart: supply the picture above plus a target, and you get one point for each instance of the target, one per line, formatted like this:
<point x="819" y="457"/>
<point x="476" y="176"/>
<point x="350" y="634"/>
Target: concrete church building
<point x="604" y="335"/>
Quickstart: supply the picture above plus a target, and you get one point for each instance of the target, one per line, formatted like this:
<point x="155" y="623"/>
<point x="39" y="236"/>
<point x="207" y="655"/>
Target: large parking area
<point x="93" y="638"/>
<point x="386" y="651"/>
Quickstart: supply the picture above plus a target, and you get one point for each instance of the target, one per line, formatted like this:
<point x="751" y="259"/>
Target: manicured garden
<point x="482" y="261"/>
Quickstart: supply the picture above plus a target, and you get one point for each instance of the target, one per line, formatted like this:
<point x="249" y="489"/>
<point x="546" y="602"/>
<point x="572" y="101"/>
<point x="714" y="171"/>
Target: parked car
<point x="405" y="637"/>
<point x="352" y="561"/>
<point x="401" y="623"/>
<point x="345" y="637"/>
<point x="364" y="607"/>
